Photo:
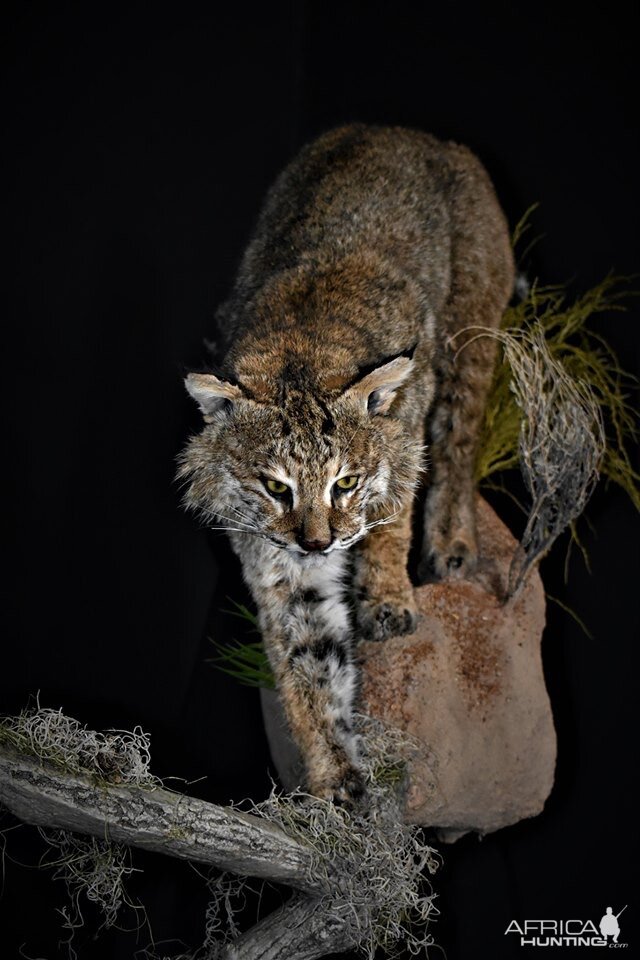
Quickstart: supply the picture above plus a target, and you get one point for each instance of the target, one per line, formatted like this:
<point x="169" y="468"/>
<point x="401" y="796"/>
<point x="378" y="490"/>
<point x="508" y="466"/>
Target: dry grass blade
<point x="561" y="443"/>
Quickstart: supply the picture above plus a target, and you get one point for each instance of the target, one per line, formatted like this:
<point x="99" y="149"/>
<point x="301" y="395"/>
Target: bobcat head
<point x="308" y="469"/>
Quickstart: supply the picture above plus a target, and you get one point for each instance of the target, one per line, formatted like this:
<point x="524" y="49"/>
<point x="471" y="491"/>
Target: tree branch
<point x="303" y="929"/>
<point x="155" y="819"/>
<point x="357" y="877"/>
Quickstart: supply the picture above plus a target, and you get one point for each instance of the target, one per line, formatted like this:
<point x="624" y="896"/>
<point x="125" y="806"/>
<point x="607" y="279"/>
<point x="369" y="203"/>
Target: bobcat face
<point x="310" y="473"/>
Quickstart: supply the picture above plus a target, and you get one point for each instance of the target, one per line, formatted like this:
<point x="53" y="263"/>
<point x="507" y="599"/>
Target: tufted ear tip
<point x="211" y="393"/>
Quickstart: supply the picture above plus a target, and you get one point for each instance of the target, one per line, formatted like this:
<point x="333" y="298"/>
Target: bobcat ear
<point x="376" y="389"/>
<point x="211" y="393"/>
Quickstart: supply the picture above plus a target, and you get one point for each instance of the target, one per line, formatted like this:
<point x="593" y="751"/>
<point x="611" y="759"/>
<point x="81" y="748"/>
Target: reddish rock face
<point x="468" y="688"/>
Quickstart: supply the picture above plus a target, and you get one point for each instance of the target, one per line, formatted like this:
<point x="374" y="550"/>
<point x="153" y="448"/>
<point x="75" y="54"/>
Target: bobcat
<point x="374" y="247"/>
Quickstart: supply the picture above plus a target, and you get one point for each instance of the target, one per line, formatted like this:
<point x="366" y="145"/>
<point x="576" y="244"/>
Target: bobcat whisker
<point x="251" y="528"/>
<point x="254" y="533"/>
<point x="216" y="518"/>
<point x="251" y="533"/>
<point x="223" y="516"/>
<point x="248" y="528"/>
<point x="382" y="521"/>
<point x="243" y="516"/>
<point x="345" y="544"/>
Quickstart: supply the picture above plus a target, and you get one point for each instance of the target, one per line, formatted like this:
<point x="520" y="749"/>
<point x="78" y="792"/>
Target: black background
<point x="138" y="147"/>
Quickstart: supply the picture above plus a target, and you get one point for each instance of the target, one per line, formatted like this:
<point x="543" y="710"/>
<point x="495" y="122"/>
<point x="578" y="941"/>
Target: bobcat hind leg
<point x="449" y="545"/>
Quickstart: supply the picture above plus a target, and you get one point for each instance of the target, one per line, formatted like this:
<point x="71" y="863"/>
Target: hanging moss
<point x="383" y="862"/>
<point x="116" y="756"/>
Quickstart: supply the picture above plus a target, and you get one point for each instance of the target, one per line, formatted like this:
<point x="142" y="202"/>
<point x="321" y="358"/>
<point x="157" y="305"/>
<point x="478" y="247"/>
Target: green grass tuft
<point x="246" y="662"/>
<point x="243" y="613"/>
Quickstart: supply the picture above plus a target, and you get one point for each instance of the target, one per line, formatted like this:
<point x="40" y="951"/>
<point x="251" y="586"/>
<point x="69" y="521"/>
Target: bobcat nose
<point x="313" y="545"/>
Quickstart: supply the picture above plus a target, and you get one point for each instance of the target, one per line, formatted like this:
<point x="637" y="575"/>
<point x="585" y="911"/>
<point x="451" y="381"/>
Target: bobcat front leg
<point x="316" y="680"/>
<point x="310" y="652"/>
<point x="305" y="625"/>
<point x="386" y="604"/>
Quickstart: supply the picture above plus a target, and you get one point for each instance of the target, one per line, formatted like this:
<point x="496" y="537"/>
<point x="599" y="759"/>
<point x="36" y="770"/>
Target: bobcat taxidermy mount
<point x="373" y="248"/>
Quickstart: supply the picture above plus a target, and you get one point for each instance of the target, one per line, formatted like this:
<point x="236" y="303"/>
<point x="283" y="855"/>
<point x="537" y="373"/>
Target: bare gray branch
<point x="155" y="819"/>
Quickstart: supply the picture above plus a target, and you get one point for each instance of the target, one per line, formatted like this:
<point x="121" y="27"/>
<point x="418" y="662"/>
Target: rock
<point x="468" y="686"/>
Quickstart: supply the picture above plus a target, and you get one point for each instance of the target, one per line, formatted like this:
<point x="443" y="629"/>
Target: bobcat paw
<point x="350" y="790"/>
<point x="452" y="559"/>
<point x="379" y="621"/>
<point x="345" y="790"/>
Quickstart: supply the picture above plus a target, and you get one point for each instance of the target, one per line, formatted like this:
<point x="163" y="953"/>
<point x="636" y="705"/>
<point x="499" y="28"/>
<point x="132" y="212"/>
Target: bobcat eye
<point x="276" y="487"/>
<point x="346" y="483"/>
